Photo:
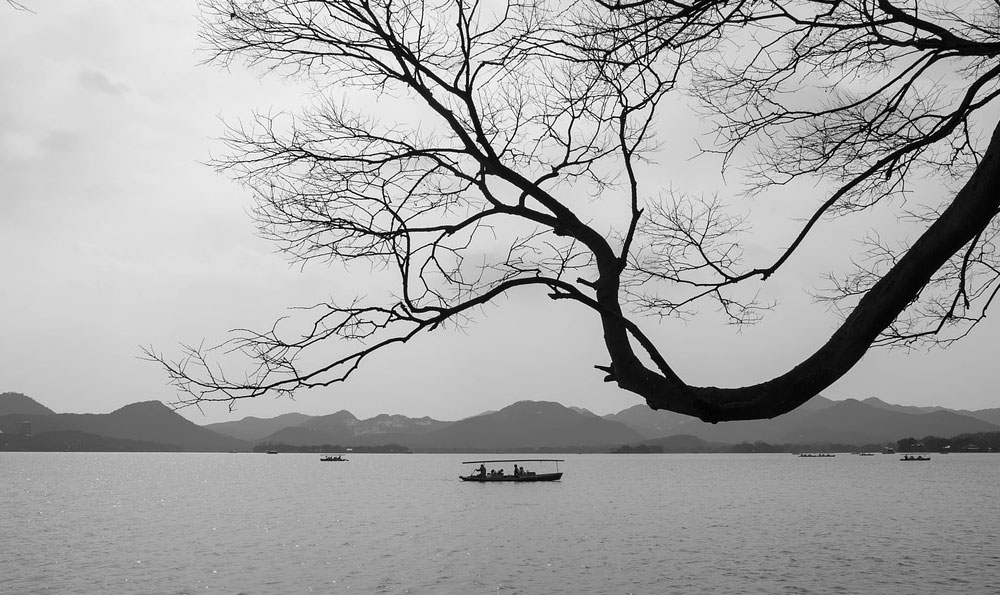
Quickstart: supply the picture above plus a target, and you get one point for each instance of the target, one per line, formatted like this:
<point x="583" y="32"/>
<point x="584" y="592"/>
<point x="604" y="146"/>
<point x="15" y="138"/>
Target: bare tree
<point x="533" y="112"/>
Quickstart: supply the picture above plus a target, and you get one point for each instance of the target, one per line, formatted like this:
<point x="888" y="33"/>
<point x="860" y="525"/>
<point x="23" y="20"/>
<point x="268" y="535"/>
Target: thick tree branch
<point x="971" y="211"/>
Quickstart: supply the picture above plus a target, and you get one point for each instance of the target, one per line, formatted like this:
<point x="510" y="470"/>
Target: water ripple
<point x="244" y="524"/>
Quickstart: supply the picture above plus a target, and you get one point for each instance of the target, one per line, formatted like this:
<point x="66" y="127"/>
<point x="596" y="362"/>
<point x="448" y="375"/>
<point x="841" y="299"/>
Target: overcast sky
<point x="114" y="235"/>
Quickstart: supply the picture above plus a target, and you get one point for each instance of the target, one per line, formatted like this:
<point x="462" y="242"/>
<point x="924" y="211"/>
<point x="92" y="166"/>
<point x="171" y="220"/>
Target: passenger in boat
<point x="482" y="471"/>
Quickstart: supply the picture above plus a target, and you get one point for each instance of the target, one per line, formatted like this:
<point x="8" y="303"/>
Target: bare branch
<point x="467" y="150"/>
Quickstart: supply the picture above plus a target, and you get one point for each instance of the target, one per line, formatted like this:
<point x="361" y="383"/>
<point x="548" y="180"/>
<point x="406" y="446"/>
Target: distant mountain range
<point x="151" y="423"/>
<point x="820" y="420"/>
<point x="523" y="426"/>
<point x="343" y="428"/>
<point x="988" y="415"/>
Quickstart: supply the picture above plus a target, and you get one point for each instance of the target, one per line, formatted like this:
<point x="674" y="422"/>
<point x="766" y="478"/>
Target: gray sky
<point x="113" y="235"/>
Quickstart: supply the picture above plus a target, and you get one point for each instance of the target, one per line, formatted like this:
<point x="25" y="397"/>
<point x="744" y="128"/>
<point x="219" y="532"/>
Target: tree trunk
<point x="975" y="205"/>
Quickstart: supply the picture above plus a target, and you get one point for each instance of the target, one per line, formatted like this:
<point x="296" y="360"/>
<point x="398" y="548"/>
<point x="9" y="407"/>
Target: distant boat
<point x="819" y="455"/>
<point x="914" y="458"/>
<point x="867" y="454"/>
<point x="272" y="452"/>
<point x="519" y="475"/>
<point x="337" y="458"/>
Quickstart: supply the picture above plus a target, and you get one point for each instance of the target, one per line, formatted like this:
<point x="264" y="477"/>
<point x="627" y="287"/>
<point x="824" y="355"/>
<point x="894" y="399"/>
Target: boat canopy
<point x="514" y="461"/>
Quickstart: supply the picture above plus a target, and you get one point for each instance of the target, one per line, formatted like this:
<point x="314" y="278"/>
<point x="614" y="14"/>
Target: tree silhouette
<point x="522" y="170"/>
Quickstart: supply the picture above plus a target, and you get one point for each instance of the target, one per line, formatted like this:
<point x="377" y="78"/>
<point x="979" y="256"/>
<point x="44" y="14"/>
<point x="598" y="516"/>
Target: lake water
<point x="282" y="524"/>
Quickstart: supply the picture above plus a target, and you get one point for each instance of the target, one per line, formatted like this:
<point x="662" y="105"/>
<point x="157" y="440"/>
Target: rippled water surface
<point x="281" y="524"/>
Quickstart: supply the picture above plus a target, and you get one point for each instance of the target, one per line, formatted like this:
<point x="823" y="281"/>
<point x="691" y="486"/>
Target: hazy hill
<point x="345" y="429"/>
<point x="336" y="428"/>
<point x="667" y="423"/>
<point x="848" y="422"/>
<point x="254" y="429"/>
<point x="529" y="424"/>
<point x="650" y="423"/>
<point x="656" y="424"/>
<point x="817" y="403"/>
<point x="988" y="415"/>
<point x="380" y="424"/>
<point x="14" y="403"/>
<point x="854" y="421"/>
<point x="151" y="421"/>
<point x="880" y="404"/>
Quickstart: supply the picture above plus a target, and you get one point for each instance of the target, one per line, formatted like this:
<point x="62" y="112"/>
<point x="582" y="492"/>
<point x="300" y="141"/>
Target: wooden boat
<point x="483" y="475"/>
<point x="328" y="458"/>
<point x="914" y="458"/>
<point x="820" y="455"/>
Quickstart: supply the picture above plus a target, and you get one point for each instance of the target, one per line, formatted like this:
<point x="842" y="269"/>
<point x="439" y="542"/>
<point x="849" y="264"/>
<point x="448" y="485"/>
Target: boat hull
<point x="511" y="478"/>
